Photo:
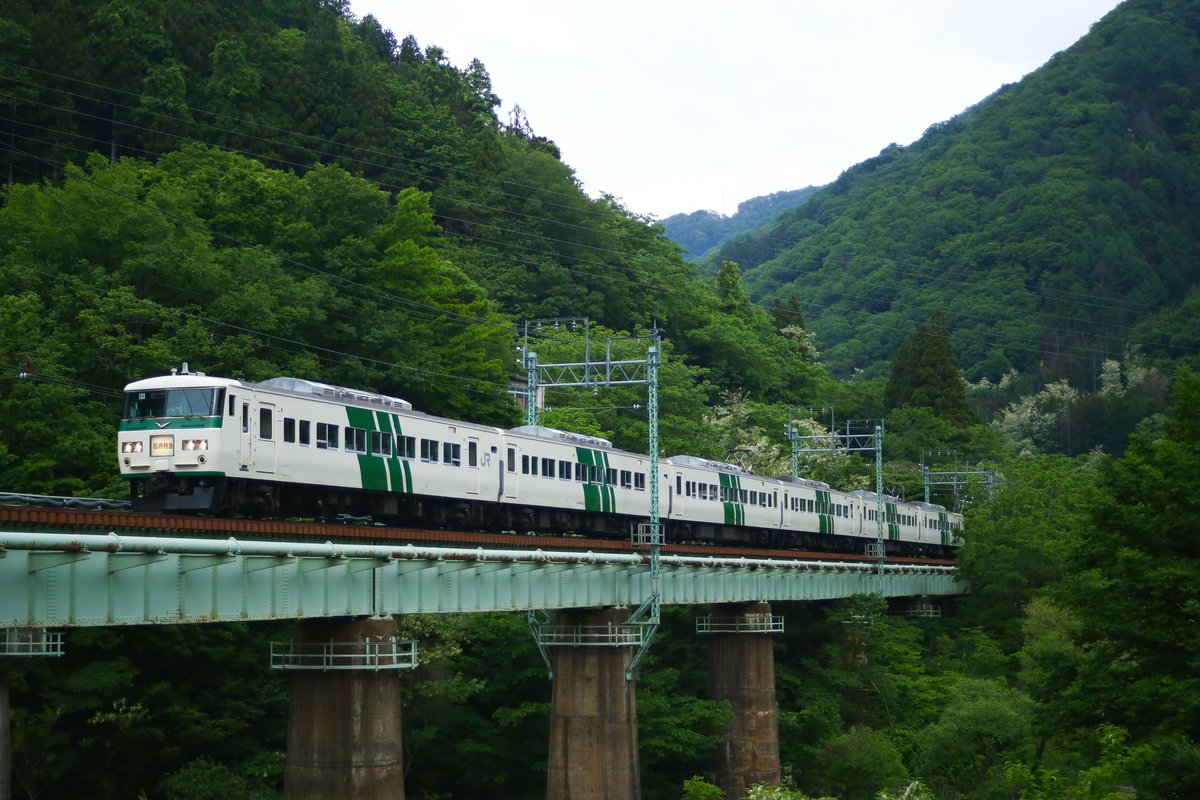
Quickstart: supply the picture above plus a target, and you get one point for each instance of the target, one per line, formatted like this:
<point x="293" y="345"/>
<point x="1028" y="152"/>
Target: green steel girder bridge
<point x="84" y="579"/>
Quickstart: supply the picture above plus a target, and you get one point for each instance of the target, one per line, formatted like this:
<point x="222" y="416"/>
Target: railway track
<point x="37" y="519"/>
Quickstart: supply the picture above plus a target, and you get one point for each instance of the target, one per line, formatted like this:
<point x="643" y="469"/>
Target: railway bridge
<point x="344" y="723"/>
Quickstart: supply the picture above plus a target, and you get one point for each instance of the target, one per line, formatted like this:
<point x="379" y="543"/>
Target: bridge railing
<point x="368" y="654"/>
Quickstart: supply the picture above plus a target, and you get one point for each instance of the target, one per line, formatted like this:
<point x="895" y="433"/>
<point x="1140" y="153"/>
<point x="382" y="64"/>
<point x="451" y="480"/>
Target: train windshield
<point x="173" y="403"/>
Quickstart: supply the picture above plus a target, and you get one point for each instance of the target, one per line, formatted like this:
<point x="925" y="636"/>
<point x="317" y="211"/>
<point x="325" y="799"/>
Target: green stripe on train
<point x="596" y="496"/>
<point x="396" y="467"/>
<point x="170" y="424"/>
<point x="824" y="519"/>
<point x="735" y="512"/>
<point x="371" y="470"/>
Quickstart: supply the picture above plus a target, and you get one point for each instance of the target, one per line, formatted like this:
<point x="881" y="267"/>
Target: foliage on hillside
<point x="1048" y="220"/>
<point x="701" y="231"/>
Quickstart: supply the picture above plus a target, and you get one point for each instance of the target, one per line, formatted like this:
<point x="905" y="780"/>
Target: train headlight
<point x="195" y="444"/>
<point x="131" y="447"/>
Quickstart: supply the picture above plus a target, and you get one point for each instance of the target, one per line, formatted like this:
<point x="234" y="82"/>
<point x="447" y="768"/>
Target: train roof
<point x="720" y="466"/>
<point x="542" y="432"/>
<point x="868" y="495"/>
<point x="302" y="386"/>
<point x="809" y="482"/>
<point x="185" y="379"/>
<point x="189" y="380"/>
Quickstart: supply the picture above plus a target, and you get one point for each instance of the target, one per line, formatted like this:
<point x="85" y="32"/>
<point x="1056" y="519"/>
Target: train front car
<point x="171" y="445"/>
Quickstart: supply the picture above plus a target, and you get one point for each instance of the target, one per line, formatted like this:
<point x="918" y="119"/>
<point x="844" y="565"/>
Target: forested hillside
<point x="701" y="231"/>
<point x="1053" y="221"/>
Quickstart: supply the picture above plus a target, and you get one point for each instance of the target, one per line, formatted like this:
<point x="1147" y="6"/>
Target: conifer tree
<point x="925" y="374"/>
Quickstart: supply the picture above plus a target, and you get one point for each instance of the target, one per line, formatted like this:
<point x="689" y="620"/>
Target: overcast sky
<point x="679" y="105"/>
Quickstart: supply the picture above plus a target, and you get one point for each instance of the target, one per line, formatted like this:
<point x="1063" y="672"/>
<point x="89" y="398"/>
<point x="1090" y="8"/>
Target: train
<point x="295" y="448"/>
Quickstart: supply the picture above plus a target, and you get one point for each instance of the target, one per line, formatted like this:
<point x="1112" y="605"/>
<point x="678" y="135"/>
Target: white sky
<point x="679" y="105"/>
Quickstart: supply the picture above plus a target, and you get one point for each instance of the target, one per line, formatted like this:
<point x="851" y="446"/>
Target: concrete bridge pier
<point x="593" y="709"/>
<point x="741" y="669"/>
<point x="344" y="735"/>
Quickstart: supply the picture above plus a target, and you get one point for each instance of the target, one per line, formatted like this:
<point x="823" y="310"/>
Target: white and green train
<point x="291" y="447"/>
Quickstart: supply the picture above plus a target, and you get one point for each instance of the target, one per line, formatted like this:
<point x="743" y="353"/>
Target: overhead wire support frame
<point x="850" y="442"/>
<point x="594" y="374"/>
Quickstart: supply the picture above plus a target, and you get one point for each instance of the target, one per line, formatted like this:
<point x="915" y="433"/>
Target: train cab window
<point x="547" y="467"/>
<point x="452" y="454"/>
<point x="639" y="481"/>
<point x="406" y="447"/>
<point x="289" y="429"/>
<point x="305" y="433"/>
<point x="381" y="443"/>
<point x="264" y="423"/>
<point x="512" y="459"/>
<point x="564" y="470"/>
<point x="626" y="479"/>
<point x="429" y="451"/>
<point x="472" y="454"/>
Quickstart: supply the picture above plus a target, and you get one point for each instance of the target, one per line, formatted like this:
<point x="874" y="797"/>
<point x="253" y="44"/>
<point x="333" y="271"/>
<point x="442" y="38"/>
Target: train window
<point x="610" y="477"/>
<point x="429" y="451"/>
<point x="452" y="454"/>
<point x="564" y="470"/>
<point x="305" y="433"/>
<point x="406" y="447"/>
<point x="753" y="497"/>
<point x="264" y="423"/>
<point x="581" y="472"/>
<point x="547" y="467"/>
<point x="524" y="465"/>
<point x="289" y="429"/>
<point x="245" y="417"/>
<point x="712" y="491"/>
<point x="704" y="491"/>
<point x="678" y="484"/>
<point x="639" y="481"/>
<point x="512" y="459"/>
<point x="232" y="398"/>
<point x="626" y="479"/>
<point x="327" y="436"/>
<point x="381" y="444"/>
<point x="472" y="454"/>
<point x="356" y="440"/>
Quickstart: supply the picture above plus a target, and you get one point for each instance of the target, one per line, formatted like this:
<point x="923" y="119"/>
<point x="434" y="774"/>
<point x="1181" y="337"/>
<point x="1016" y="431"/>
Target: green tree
<point x="1134" y="595"/>
<point x="925" y="374"/>
<point x="860" y="764"/>
<point x="982" y="726"/>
